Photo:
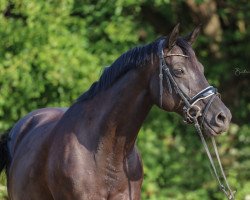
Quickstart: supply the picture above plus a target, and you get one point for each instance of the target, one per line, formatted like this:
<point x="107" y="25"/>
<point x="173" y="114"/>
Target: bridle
<point x="192" y="111"/>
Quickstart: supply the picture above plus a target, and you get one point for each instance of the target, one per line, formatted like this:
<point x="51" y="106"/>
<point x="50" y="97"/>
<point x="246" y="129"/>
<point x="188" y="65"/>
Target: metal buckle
<point x="192" y="112"/>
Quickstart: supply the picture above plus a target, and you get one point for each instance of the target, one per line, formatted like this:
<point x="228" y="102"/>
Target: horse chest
<point x="112" y="174"/>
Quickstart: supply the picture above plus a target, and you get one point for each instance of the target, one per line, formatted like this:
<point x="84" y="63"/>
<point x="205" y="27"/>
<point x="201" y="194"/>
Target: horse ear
<point x="173" y="36"/>
<point x="191" y="37"/>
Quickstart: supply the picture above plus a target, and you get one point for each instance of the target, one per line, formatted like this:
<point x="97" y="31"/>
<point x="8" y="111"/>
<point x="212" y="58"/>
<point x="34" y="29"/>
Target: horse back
<point x="30" y="122"/>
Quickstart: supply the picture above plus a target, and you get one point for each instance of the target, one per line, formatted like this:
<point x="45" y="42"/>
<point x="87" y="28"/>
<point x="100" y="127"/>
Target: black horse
<point x="88" y="150"/>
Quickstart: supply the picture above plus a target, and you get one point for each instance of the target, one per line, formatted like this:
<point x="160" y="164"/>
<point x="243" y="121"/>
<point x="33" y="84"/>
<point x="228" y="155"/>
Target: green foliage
<point x="3" y="189"/>
<point x="51" y="51"/>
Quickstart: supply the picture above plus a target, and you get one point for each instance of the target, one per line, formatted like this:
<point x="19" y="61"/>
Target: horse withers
<point x="87" y="151"/>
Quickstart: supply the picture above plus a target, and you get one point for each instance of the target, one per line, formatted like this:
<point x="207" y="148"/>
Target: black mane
<point x="133" y="58"/>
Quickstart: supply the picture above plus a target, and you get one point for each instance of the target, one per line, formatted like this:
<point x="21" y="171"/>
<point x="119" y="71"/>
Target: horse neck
<point x="114" y="116"/>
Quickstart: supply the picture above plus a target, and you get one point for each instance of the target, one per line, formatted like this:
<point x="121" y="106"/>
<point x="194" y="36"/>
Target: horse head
<point x="179" y="85"/>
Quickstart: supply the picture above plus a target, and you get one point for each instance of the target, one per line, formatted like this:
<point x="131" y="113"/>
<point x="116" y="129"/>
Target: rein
<point x="190" y="105"/>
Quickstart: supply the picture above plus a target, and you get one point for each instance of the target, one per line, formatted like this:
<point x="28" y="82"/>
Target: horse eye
<point x="178" y="72"/>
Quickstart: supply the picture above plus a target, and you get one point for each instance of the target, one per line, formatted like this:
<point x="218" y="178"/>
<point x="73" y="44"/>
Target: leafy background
<point x="51" y="51"/>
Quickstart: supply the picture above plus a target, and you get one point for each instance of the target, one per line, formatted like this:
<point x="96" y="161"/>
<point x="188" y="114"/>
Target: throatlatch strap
<point x="160" y="81"/>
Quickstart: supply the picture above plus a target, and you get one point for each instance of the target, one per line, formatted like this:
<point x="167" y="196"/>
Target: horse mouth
<point x="209" y="131"/>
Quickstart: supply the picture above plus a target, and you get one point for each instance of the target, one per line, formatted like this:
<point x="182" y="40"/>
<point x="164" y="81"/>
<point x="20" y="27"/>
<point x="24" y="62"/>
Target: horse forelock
<point x="186" y="48"/>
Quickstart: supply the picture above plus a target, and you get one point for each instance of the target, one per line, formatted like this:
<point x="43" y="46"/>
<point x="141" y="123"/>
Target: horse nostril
<point x="220" y="118"/>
